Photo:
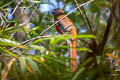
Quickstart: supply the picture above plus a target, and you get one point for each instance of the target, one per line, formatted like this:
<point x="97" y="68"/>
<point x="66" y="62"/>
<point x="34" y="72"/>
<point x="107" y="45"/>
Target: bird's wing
<point x="66" y="24"/>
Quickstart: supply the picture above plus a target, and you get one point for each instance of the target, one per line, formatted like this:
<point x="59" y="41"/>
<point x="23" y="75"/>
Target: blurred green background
<point x="47" y="57"/>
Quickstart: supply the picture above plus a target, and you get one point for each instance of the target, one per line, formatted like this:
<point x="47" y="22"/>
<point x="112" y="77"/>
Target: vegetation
<point x="31" y="49"/>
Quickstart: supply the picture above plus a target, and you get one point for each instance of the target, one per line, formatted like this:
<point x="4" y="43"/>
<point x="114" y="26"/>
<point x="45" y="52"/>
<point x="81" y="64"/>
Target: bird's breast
<point x="60" y="28"/>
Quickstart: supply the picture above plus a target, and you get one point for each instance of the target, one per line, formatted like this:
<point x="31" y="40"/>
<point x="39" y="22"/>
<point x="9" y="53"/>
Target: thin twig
<point x="89" y="26"/>
<point x="29" y="18"/>
<point x="2" y="22"/>
<point x="81" y="14"/>
<point x="33" y="12"/>
<point x="39" y="36"/>
<point x="3" y="16"/>
<point x="16" y="7"/>
<point x="84" y="41"/>
<point x="13" y="13"/>
<point x="46" y="36"/>
<point x="84" y="13"/>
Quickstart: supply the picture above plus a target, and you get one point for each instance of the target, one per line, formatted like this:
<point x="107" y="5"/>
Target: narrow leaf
<point x="22" y="65"/>
<point x="6" y="51"/>
<point x="33" y="65"/>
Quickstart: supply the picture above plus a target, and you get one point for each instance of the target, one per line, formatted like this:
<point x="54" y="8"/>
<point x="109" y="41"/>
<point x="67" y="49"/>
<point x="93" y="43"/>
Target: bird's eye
<point x="53" y="12"/>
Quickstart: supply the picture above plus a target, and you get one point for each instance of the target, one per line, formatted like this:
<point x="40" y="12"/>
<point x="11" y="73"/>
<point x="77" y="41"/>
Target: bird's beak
<point x="53" y="12"/>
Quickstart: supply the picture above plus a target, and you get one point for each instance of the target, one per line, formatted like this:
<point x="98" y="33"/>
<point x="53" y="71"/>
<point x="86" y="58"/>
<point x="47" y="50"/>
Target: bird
<point x="66" y="26"/>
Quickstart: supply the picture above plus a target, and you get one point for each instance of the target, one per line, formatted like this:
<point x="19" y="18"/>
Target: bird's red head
<point x="57" y="11"/>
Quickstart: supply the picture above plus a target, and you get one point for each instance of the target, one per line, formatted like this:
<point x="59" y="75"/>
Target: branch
<point x="33" y="12"/>
<point x="46" y="36"/>
<point x="88" y="26"/>
<point x="18" y="3"/>
<point x="107" y="30"/>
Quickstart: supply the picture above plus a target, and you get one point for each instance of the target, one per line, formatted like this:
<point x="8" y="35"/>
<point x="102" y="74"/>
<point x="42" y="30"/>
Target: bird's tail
<point x="73" y="55"/>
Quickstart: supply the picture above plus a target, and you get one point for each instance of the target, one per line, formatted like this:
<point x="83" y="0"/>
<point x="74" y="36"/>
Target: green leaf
<point x="9" y="41"/>
<point x="33" y="65"/>
<point x="61" y="47"/>
<point x="37" y="47"/>
<point x="66" y="47"/>
<point x="52" y="42"/>
<point x="8" y="4"/>
<point x="15" y="70"/>
<point x="84" y="49"/>
<point x="58" y="38"/>
<point x="85" y="36"/>
<point x="45" y="65"/>
<point x="81" y="68"/>
<point x="35" y="1"/>
<point x="6" y="44"/>
<point x="57" y="60"/>
<point x="6" y="51"/>
<point x="22" y="65"/>
<point x="78" y="73"/>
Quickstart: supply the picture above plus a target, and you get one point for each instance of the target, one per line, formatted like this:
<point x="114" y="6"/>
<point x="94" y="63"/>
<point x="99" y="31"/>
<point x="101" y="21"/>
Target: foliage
<point x="46" y="56"/>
